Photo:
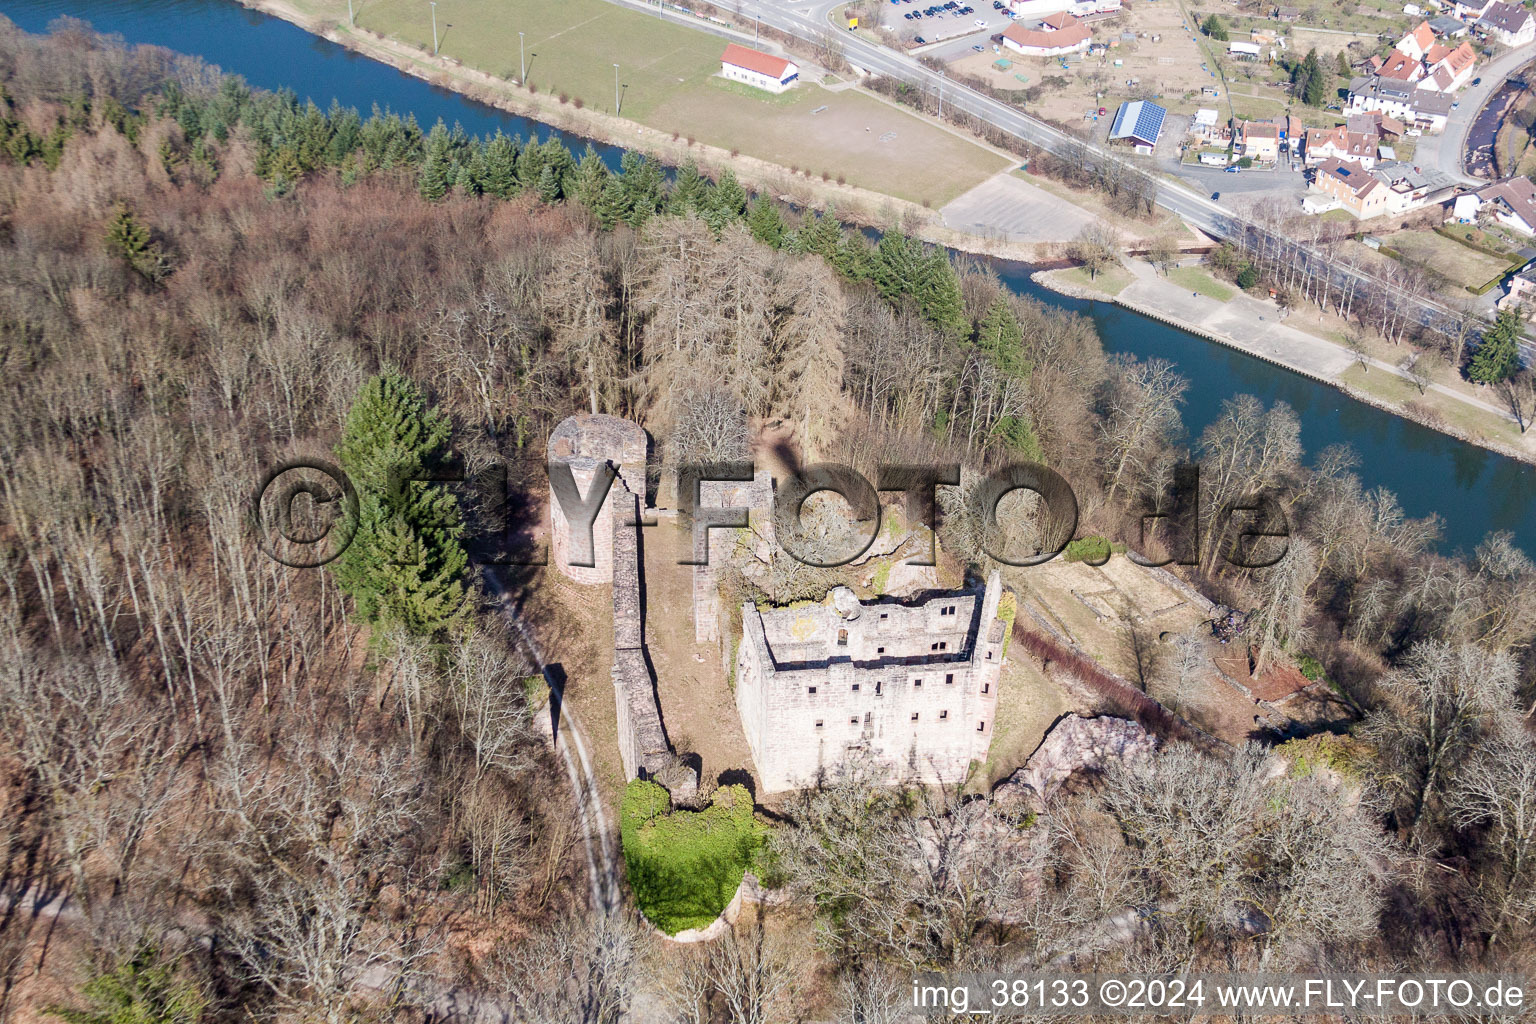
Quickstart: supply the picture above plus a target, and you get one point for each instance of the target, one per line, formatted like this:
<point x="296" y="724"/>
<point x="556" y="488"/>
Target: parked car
<point x="980" y="23"/>
<point x="1234" y="169"/>
<point x="1215" y="196"/>
<point x="1477" y="81"/>
<point x="977" y="49"/>
<point x="919" y="40"/>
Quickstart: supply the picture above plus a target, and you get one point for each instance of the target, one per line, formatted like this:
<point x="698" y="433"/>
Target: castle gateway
<point x="911" y="684"/>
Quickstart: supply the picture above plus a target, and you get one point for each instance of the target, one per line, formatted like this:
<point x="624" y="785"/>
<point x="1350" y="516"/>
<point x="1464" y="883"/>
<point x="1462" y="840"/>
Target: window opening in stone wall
<point x="842" y="638"/>
<point x="914" y="716"/>
<point x="943" y="715"/>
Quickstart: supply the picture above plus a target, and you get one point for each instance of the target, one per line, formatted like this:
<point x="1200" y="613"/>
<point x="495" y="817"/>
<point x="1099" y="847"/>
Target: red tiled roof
<point x="1461" y="58"/>
<point x="1399" y="66"/>
<point x="1059" y="39"/>
<point x="755" y="60"/>
<point x="1435" y="54"/>
<point x="1061" y="19"/>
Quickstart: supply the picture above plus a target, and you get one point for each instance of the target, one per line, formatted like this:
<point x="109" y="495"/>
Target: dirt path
<point x="596" y="836"/>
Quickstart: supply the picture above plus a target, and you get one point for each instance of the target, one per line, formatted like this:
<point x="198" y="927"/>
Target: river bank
<point x="1319" y="364"/>
<point x="860" y="206"/>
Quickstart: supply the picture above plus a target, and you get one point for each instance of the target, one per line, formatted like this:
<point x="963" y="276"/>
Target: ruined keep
<point x="585" y="442"/>
<point x="911" y="683"/>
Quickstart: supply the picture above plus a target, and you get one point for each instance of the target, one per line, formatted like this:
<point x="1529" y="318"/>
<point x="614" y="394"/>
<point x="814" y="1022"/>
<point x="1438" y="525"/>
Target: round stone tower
<point x="584" y="442"/>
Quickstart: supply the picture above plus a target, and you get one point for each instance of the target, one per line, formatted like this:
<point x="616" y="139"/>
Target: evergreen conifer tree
<point x="501" y="166"/>
<point x="689" y="190"/>
<point x="549" y="185"/>
<point x="405" y="566"/>
<point x="939" y="295"/>
<point x="1000" y="336"/>
<point x="1498" y="355"/>
<point x="591" y="179"/>
<point x="765" y="222"/>
<point x="728" y="195"/>
<point x="437" y="167"/>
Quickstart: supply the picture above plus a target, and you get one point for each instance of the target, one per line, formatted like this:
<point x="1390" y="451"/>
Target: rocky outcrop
<point x="1076" y="744"/>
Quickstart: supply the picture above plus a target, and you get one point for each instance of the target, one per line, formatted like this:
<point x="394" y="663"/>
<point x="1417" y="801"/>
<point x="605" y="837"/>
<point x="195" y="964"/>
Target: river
<point x="1475" y="491"/>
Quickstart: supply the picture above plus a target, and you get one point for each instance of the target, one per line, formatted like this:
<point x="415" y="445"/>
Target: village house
<point x="1259" y="141"/>
<point x="1377" y="123"/>
<point x="1521" y="294"/>
<point x="1511" y="203"/>
<point x="1039" y="10"/>
<point x="1510" y="24"/>
<point x="1411" y="188"/>
<point x="757" y="69"/>
<point x="1447" y="69"/>
<point x="1348" y="186"/>
<point x="1339" y="143"/>
<point x="1470" y="10"/>
<point x="1061" y="33"/>
<point x="1425" y="109"/>
<point x="1399" y="67"/>
<point x="1418" y="41"/>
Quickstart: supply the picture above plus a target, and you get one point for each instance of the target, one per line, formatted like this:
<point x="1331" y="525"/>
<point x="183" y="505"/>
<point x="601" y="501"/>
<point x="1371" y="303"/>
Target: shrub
<point x="564" y="99"/>
<point x="735" y="153"/>
<point x="578" y="102"/>
<point x="1247" y="278"/>
<point x="1088" y="549"/>
<point x="685" y="866"/>
<point x="533" y="87"/>
<point x="842" y="179"/>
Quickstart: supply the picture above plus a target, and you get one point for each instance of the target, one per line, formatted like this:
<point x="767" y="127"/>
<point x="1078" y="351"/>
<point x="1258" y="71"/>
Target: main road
<point x="809" y="20"/>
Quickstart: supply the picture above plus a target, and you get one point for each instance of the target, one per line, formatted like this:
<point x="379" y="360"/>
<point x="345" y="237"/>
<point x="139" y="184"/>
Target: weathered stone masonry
<point x="586" y="442"/>
<point x="913" y="685"/>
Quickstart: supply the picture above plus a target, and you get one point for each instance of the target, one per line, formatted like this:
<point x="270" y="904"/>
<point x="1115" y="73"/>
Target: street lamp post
<point x="522" y="62"/>
<point x="351" y="19"/>
<point x="941" y="95"/>
<point x="615" y="90"/>
<point x="434" y="26"/>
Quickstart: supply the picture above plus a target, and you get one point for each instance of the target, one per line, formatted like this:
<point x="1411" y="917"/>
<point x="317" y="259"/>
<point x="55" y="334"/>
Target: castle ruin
<point x="911" y="684"/>
<point x="586" y="442"/>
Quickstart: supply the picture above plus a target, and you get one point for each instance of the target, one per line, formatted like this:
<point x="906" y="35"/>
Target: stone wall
<point x="643" y="744"/>
<point x="911" y="685"/>
<point x="588" y="442"/>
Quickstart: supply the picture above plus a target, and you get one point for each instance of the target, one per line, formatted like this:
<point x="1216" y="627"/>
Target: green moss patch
<point x="685" y="866"/>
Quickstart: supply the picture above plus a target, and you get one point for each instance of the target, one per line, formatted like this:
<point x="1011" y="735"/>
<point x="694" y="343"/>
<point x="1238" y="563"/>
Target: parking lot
<point x="932" y="20"/>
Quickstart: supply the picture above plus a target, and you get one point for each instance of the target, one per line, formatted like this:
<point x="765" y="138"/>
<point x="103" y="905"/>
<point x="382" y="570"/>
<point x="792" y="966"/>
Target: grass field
<point x="1197" y="280"/>
<point x="1459" y="264"/>
<point x="668" y="77"/>
<point x="1467" y="418"/>
<point x="1111" y="280"/>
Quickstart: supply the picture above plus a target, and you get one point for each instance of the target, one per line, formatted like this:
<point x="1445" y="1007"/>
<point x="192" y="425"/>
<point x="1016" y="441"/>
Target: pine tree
<point x="1000" y="336"/>
<point x="132" y="241"/>
<point x="549" y="185"/>
<point x="689" y="191"/>
<point x="1343" y="64"/>
<point x="644" y="187"/>
<point x="821" y="235"/>
<point x="405" y="566"/>
<point x="765" y="222"/>
<point x="895" y="268"/>
<point x="591" y="179"/>
<point x="1498" y="355"/>
<point x="1214" y="28"/>
<point x="471" y="177"/>
<point x="939" y="295"/>
<point x="437" y="167"/>
<point x="728" y="195"/>
<point x="501" y="166"/>
<point x="610" y="207"/>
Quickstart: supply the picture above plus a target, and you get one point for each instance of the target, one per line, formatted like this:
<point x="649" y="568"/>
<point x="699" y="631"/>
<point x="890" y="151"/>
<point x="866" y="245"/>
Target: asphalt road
<point x="1447" y="151"/>
<point x="808" y="20"/>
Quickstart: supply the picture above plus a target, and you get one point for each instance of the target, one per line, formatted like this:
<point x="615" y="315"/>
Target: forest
<point x="235" y="790"/>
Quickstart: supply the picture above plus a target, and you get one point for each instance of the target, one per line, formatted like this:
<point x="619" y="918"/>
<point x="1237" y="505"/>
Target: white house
<point x="757" y="69"/>
<point x="1511" y="202"/>
<point x="1239" y="49"/>
<point x="1510" y="24"/>
<point x="1417" y="42"/>
<point x="1047" y="41"/>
